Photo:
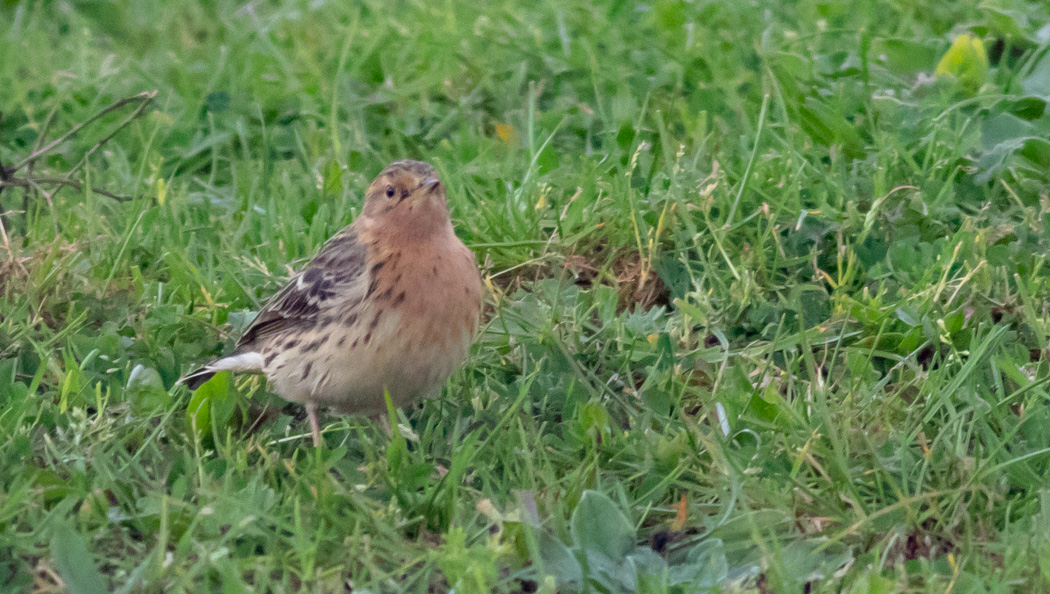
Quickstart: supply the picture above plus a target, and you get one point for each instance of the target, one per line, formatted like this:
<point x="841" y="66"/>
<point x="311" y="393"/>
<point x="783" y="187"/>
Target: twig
<point x="47" y="195"/>
<point x="138" y="111"/>
<point x="142" y="97"/>
<point x="36" y="181"/>
<point x="30" y="182"/>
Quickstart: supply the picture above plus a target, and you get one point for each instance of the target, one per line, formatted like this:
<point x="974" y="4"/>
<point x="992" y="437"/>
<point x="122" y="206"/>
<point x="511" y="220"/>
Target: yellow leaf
<point x="506" y="132"/>
<point x="207" y="296"/>
<point x="680" y="515"/>
<point x="162" y="191"/>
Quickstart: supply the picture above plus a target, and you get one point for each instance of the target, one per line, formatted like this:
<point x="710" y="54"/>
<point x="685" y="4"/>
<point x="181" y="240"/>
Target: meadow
<point x="766" y="293"/>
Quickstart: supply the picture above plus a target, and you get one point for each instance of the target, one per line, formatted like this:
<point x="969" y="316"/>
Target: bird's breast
<point x="416" y="324"/>
<point x="434" y="286"/>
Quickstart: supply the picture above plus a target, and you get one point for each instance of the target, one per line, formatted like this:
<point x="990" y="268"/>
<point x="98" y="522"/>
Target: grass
<point x="768" y="303"/>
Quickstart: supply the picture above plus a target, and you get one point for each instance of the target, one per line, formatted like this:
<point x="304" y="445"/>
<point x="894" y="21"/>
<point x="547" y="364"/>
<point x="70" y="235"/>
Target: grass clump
<point x="767" y="287"/>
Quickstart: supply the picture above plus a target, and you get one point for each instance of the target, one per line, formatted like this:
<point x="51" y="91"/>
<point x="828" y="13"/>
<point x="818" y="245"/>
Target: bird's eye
<point x="390" y="191"/>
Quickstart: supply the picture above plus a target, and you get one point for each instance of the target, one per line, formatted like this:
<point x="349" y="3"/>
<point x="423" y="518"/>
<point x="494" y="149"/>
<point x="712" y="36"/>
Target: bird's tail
<point x="250" y="362"/>
<point x="195" y="378"/>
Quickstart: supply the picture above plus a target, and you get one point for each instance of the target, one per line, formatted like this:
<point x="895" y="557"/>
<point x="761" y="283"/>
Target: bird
<point x="390" y="304"/>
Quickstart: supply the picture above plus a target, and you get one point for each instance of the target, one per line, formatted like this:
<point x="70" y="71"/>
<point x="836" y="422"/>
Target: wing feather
<point x="333" y="273"/>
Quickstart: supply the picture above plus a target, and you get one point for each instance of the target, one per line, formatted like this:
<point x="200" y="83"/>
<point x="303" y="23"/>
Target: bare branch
<point x="138" y="111"/>
<point x="142" y="98"/>
<point x="36" y="181"/>
<point x="30" y="182"/>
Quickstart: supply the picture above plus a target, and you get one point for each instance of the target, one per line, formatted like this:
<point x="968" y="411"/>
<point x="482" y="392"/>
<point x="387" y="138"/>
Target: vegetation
<point x="768" y="287"/>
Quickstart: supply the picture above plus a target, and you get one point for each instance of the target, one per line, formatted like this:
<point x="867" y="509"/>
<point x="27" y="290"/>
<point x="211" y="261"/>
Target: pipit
<point x="389" y="304"/>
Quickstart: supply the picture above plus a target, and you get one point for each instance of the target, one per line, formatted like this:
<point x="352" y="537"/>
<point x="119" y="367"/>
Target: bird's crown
<point x="418" y="168"/>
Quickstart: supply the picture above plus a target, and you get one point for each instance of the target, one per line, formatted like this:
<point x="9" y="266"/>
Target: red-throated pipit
<point x="390" y="303"/>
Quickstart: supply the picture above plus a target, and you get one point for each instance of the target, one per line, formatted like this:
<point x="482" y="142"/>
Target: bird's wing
<point x="334" y="276"/>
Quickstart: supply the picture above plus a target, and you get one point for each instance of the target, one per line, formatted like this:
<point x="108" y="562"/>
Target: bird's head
<point x="408" y="194"/>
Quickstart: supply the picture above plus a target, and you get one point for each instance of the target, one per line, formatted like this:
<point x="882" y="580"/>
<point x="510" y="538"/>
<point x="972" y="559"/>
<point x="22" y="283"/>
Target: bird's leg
<point x="315" y="425"/>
